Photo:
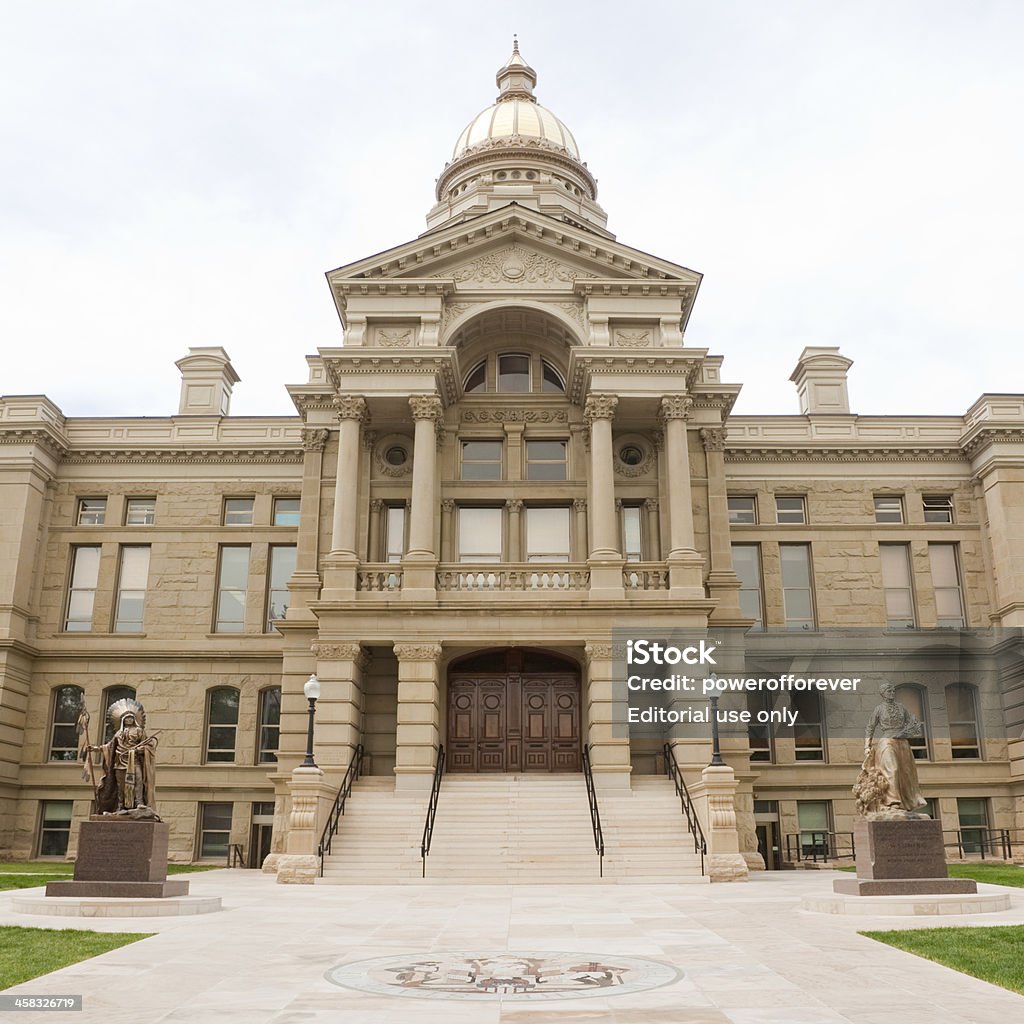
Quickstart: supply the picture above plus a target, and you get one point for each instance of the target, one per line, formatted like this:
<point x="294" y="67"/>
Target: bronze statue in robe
<point x="128" y="787"/>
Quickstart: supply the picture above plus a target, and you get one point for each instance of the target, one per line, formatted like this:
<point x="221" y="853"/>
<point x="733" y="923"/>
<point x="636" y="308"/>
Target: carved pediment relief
<point x="514" y="266"/>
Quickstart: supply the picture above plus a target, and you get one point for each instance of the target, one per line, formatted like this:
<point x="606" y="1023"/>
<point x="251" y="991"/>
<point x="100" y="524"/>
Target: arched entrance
<point x="514" y="710"/>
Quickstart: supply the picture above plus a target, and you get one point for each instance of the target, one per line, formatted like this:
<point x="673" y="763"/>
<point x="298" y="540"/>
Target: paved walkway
<point x="747" y="953"/>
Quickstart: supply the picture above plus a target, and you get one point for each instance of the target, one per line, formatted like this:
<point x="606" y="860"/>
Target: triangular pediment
<point x="512" y="248"/>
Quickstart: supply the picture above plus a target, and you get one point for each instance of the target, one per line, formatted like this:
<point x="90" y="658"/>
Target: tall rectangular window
<point x="140" y="512"/>
<point x="282" y="568"/>
<point x="809" y="730"/>
<point x="480" y="534"/>
<point x="232" y="585"/>
<point x="972" y="813"/>
<point x="132" y="578"/>
<point x="742" y="509"/>
<point x="888" y="508"/>
<point x="949" y="597"/>
<point x="481" y="460"/>
<point x="632" y="533"/>
<point x="54" y="827"/>
<point x="896" y="584"/>
<point x="790" y="509"/>
<point x="85" y="570"/>
<point x="221" y="724"/>
<point x="92" y="511"/>
<point x="759" y="734"/>
<point x="238" y="511"/>
<point x="746" y="561"/>
<point x="394" y="533"/>
<point x="547" y="534"/>
<point x="938" y="508"/>
<point x="797" y="586"/>
<point x="270" y="726"/>
<point x="546" y="460"/>
<point x="286" y="511"/>
<point x="67" y="706"/>
<point x="214" y="830"/>
<point x="815" y="821"/>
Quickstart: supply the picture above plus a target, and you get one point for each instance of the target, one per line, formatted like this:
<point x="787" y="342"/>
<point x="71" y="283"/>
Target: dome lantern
<point x="517" y="151"/>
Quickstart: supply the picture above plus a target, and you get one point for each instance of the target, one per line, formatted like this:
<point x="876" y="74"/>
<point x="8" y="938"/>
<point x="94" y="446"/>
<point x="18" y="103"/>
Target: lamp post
<point x="716" y="750"/>
<point x="312" y="692"/>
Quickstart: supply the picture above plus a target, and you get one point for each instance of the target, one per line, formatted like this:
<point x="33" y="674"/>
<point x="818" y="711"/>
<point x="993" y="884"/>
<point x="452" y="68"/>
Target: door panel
<point x="514" y="722"/>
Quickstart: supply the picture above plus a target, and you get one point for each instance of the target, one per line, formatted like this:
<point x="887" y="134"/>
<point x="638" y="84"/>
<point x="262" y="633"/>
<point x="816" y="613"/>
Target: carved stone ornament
<point x="633" y="339"/>
<point x="350" y="407"/>
<point x="514" y="505"/>
<point x="336" y="652"/>
<point x="600" y="407"/>
<point x="603" y="652"/>
<point x="394" y="339"/>
<point x="573" y="309"/>
<point x="514" y="416"/>
<point x="713" y="438"/>
<point x="632" y="469"/>
<point x="579" y="504"/>
<point x="382" y="466"/>
<point x="314" y="439"/>
<point x="514" y="266"/>
<point x="417" y="652"/>
<point x="376" y="504"/>
<point x="651" y="504"/>
<point x="426" y="407"/>
<point x="675" y="407"/>
<point x="453" y="310"/>
<point x="448" y="505"/>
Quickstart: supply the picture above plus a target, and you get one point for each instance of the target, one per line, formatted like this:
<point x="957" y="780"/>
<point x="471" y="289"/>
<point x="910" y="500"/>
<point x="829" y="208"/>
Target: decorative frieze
<point x="514" y="266"/>
<point x="633" y="339"/>
<point x="514" y="416"/>
<point x="336" y="652"/>
<point x="394" y="338"/>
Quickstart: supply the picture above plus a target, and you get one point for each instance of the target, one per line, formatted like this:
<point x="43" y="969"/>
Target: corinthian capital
<point x="600" y="407"/>
<point x="425" y="407"/>
<point x="314" y="439"/>
<point x="713" y="438"/>
<point x="675" y="407"/>
<point x="417" y="652"/>
<point x="350" y="407"/>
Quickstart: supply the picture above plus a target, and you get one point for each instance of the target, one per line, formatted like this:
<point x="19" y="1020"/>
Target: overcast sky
<point x="183" y="174"/>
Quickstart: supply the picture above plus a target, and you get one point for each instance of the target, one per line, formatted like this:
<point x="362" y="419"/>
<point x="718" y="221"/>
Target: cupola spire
<point x="516" y="79"/>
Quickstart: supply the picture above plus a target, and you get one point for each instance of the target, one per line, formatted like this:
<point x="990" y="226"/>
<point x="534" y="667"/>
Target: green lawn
<point x="992" y="954"/>
<point x="28" y="881"/>
<point x="993" y="874"/>
<point x="26" y="953"/>
<point x="29" y="874"/>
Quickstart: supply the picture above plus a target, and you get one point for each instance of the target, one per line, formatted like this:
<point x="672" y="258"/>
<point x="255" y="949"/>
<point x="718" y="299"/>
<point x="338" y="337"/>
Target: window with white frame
<point x="746" y="561"/>
<point x="91" y="511"/>
<point x="938" y="508"/>
<point x="962" y="715"/>
<point x="281" y="569"/>
<point x="949" y="596"/>
<point x="85" y="569"/>
<point x="232" y="587"/>
<point x="797" y="585"/>
<point x="139" y="511"/>
<point x="394" y="533"/>
<point x="790" y="509"/>
<point x="132" y="580"/>
<point x="888" y="508"/>
<point x="286" y="511"/>
<point x="897" y="586"/>
<point x="221" y="724"/>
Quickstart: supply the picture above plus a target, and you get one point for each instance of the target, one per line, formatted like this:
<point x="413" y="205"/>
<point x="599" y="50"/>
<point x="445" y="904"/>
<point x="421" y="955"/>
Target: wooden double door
<point x="523" y="715"/>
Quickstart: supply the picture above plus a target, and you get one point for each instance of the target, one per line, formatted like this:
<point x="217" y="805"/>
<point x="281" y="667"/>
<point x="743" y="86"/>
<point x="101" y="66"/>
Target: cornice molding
<point x="191" y="456"/>
<point x="34" y="435"/>
<point x="842" y="454"/>
<point x="985" y="437"/>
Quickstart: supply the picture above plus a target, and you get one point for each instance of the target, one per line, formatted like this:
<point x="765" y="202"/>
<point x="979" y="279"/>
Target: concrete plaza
<point x="747" y="953"/>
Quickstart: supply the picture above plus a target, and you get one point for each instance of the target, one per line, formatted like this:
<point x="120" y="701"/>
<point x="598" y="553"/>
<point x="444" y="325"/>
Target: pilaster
<point x="418" y="732"/>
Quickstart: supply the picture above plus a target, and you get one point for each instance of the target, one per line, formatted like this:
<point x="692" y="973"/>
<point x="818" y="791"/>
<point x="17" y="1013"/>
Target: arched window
<point x="269" y="726"/>
<point x="67" y="704"/>
<point x="110" y="695"/>
<point x="514" y="373"/>
<point x="222" y="724"/>
<point x="962" y="713"/>
<point x="551" y="379"/>
<point x="476" y="379"/>
<point x="915" y="699"/>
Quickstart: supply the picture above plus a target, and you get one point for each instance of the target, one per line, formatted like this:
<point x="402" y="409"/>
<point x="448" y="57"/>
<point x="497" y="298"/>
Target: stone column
<point x="725" y="863"/>
<point x="447" y="534"/>
<point x="351" y="415"/>
<point x="723" y="584"/>
<point x="304" y="586"/>
<point x="419" y="714"/>
<point x="515" y="528"/>
<point x="421" y="557"/>
<point x="605" y="559"/>
<point x="607" y="724"/>
<point x="685" y="565"/>
<point x="653" y="530"/>
<point x="579" y="540"/>
<point x="339" y="667"/>
<point x="373" y="551"/>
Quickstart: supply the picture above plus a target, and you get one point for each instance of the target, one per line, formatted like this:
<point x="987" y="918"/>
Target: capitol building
<point x="513" y="457"/>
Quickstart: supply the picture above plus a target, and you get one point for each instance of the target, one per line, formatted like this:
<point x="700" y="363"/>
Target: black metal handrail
<point x="428" y="825"/>
<point x="674" y="772"/>
<point x="355" y="766"/>
<point x="595" y="813"/>
<point x="975" y="840"/>
<point x="816" y="844"/>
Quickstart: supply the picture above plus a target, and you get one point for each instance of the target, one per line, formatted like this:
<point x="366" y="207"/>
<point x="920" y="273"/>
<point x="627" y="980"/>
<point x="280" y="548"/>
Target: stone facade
<point x="517" y="260"/>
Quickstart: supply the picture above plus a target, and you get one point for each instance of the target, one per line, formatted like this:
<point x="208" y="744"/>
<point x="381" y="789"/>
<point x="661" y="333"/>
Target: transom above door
<point x="514" y="710"/>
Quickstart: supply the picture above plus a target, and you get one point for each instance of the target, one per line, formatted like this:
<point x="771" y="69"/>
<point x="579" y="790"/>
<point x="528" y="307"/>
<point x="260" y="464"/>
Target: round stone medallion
<point x="503" y="975"/>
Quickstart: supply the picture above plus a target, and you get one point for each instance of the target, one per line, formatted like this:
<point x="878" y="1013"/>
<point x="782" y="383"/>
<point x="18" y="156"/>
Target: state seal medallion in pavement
<point x="503" y="975"/>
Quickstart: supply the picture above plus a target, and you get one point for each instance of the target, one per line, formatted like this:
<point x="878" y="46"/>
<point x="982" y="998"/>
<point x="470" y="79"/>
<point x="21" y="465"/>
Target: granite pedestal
<point x="901" y="858"/>
<point x="121" y="858"/>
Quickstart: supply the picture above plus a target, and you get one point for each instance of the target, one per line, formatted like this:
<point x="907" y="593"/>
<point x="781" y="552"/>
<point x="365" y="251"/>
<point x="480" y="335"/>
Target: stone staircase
<point x="512" y="829"/>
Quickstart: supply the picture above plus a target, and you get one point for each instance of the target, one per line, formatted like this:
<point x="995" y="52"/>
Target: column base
<point x="686" y="576"/>
<point x="298" y="869"/>
<point x="606" y="579"/>
<point x="724" y="590"/>
<point x="340" y="572"/>
<point x="727" y="867"/>
<point x="419" y="578"/>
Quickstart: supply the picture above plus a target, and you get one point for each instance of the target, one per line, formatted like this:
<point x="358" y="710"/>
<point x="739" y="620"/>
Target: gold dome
<point x="516" y="113"/>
